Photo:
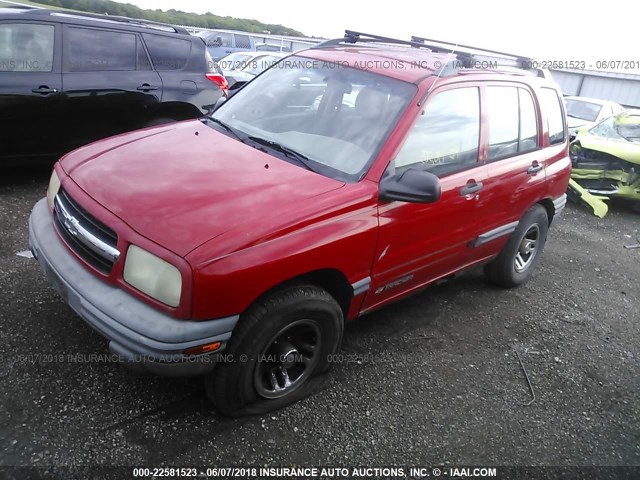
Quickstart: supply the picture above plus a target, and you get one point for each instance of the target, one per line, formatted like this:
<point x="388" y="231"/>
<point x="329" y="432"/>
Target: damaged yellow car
<point x="606" y="161"/>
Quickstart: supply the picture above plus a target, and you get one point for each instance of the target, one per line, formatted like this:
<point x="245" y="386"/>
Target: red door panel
<point x="419" y="243"/>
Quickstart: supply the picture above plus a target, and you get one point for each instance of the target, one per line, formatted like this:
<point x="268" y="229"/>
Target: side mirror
<point x="412" y="185"/>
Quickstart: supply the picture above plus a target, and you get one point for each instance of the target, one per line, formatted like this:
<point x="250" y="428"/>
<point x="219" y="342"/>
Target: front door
<point x="419" y="243"/>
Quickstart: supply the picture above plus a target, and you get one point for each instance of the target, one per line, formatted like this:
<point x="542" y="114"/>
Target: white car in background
<point x="239" y="60"/>
<point x="254" y="67"/>
<point x="586" y="112"/>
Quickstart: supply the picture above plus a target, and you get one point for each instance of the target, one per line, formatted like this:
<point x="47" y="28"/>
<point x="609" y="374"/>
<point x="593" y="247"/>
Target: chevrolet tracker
<point x="343" y="178"/>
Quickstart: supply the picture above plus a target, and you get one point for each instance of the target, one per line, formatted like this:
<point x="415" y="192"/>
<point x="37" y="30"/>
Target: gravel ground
<point x="432" y="380"/>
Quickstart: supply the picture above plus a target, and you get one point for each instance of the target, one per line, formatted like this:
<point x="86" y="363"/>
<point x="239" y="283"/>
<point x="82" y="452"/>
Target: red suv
<point x="342" y="179"/>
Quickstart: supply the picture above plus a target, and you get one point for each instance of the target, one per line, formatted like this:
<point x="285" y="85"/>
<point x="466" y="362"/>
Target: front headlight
<point x="54" y="186"/>
<point x="153" y="276"/>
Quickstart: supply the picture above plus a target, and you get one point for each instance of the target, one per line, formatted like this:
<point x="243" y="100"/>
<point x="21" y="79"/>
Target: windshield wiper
<point x="289" y="152"/>
<point x="229" y="129"/>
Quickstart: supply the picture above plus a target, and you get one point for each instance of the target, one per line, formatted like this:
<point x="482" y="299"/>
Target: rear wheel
<point x="278" y="348"/>
<point x="515" y="263"/>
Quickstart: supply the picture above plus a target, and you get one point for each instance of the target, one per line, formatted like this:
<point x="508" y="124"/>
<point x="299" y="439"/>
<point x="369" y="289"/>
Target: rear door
<point x="182" y="65"/>
<point x="30" y="86"/>
<point x="515" y="163"/>
<point x="419" y="243"/>
<point x="109" y="86"/>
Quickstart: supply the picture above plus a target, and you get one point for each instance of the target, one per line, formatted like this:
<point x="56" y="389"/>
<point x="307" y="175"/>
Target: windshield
<point x="583" y="110"/>
<point x="334" y="116"/>
<point x="614" y="129"/>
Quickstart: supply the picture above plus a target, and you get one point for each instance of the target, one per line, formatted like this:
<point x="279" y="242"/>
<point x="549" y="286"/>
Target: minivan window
<point x="242" y="41"/>
<point x="143" y="59"/>
<point x="26" y="47"/>
<point x="93" y="50"/>
<point x="217" y="39"/>
<point x="555" y="118"/>
<point x="167" y="53"/>
<point x="446" y="136"/>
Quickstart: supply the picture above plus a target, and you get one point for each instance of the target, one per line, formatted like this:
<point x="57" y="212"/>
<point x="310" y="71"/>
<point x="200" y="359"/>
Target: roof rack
<point x="112" y="18"/>
<point x="464" y="53"/>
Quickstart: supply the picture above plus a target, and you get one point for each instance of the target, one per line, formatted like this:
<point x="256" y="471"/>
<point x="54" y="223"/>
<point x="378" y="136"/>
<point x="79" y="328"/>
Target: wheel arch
<point x="547" y="203"/>
<point x="330" y="279"/>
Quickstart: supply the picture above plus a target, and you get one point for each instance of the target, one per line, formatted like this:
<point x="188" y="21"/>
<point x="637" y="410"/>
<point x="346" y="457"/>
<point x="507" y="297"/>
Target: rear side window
<point x="528" y="122"/>
<point x="90" y="50"/>
<point x="446" y="136"/>
<point x="555" y="119"/>
<point x="167" y="53"/>
<point x="504" y="120"/>
<point x="243" y="41"/>
<point x="513" y="126"/>
<point x="26" y="47"/>
<point x="143" y="59"/>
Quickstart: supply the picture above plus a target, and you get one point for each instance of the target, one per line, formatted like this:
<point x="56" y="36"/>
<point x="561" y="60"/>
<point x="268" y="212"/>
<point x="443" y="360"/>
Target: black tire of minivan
<point x="277" y="352"/>
<point x="517" y="260"/>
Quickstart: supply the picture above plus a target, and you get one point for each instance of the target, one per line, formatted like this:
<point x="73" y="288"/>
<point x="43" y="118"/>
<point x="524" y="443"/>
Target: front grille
<point x="92" y="240"/>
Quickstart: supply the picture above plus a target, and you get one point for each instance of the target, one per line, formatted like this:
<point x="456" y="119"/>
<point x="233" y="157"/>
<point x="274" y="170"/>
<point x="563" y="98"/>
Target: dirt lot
<point x="433" y="380"/>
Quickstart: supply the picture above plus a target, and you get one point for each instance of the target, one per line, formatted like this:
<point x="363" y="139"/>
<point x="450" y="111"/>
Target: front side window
<point x="555" y="119"/>
<point x="26" y="47"/>
<point x="446" y="136"/>
<point x="91" y="50"/>
<point x="328" y="118"/>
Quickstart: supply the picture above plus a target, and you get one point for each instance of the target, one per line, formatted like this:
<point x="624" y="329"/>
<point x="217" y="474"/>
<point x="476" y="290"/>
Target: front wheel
<point x="279" y="346"/>
<point x="515" y="263"/>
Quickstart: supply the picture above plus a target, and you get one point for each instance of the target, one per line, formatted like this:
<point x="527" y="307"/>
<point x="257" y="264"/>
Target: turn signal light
<point x="200" y="349"/>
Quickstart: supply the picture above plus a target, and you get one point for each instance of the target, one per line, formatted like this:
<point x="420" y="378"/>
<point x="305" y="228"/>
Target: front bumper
<point x="144" y="338"/>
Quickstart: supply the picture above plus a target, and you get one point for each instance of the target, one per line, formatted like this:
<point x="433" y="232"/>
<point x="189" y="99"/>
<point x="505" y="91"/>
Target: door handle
<point x="471" y="188"/>
<point x="44" y="90"/>
<point x="534" y="168"/>
<point x="145" y="87"/>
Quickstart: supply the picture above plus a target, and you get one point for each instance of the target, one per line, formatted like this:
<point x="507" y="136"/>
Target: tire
<point x="158" y="121"/>
<point x="517" y="260"/>
<point x="274" y="337"/>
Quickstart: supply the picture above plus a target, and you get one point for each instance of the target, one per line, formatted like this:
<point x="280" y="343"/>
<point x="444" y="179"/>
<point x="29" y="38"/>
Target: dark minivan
<point x="67" y="79"/>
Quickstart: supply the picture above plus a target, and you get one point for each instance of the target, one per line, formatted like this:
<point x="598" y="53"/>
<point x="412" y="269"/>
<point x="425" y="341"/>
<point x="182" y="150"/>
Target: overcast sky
<point x="544" y="29"/>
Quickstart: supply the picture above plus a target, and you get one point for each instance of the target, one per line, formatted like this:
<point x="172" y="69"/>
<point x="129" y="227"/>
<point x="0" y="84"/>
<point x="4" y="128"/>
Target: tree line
<point x="175" y="17"/>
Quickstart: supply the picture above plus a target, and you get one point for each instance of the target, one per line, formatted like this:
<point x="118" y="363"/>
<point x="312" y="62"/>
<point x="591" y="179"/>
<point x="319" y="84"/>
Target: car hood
<point x="184" y="184"/>
<point x="628" y="151"/>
